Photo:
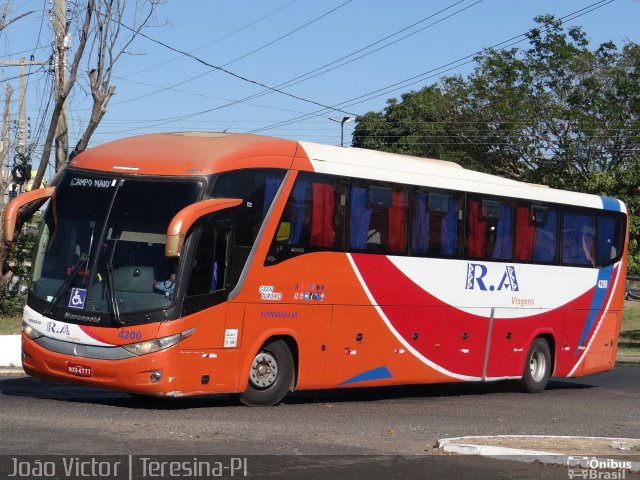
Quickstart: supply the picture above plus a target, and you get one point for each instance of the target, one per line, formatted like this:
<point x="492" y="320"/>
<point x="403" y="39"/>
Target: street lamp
<point x="342" y="121"/>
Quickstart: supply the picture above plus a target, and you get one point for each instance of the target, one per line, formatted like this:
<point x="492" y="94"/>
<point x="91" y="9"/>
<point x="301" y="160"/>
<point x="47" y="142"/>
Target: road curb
<point x="10" y="351"/>
<point x="465" y="446"/>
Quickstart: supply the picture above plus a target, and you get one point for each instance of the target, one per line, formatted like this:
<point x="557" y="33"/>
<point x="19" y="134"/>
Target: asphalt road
<point x="41" y="417"/>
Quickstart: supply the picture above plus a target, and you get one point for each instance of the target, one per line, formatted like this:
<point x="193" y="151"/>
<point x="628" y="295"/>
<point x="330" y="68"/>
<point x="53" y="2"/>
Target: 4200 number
<point x="130" y="335"/>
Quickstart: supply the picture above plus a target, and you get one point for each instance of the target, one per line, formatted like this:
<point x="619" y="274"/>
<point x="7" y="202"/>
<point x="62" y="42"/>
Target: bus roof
<point x="376" y="165"/>
<point x="200" y="153"/>
<point x="187" y="153"/>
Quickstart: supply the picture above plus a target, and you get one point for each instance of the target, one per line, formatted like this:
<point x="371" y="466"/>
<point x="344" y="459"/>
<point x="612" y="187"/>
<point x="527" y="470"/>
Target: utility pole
<point x="22" y="117"/>
<point x="4" y="153"/>
<point x="22" y="112"/>
<point x="23" y="166"/>
<point x="62" y="44"/>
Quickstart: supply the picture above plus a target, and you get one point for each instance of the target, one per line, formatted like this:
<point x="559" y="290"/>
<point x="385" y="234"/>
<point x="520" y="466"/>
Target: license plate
<point x="79" y="370"/>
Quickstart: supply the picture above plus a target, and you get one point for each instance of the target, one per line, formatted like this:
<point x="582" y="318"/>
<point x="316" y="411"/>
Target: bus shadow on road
<point x="441" y="390"/>
<point x="49" y="390"/>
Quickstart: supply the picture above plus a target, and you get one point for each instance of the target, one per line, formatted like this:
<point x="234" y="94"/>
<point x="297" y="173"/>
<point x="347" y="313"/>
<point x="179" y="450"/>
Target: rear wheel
<point x="537" y="367"/>
<point x="271" y="375"/>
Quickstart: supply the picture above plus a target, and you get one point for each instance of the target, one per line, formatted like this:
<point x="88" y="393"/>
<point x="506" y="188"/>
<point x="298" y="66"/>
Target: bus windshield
<point x="102" y="243"/>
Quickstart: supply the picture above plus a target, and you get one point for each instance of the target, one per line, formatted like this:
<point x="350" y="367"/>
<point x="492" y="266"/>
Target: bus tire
<point x="537" y="367"/>
<point x="271" y="375"/>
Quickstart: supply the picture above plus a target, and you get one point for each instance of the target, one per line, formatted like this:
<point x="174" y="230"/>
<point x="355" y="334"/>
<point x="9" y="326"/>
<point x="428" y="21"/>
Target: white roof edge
<point x="397" y="168"/>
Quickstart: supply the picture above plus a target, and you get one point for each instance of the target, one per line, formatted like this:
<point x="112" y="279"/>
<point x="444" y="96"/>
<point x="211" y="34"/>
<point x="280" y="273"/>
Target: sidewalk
<point x="627" y="358"/>
<point x="10" y="351"/>
<point x="595" y="453"/>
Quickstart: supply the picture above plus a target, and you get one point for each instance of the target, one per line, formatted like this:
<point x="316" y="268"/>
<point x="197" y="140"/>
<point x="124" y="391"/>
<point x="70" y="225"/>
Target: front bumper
<point x="151" y="374"/>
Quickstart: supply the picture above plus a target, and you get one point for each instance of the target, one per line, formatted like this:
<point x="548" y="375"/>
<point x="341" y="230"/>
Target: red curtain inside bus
<point x="322" y="232"/>
<point x="525" y="234"/>
<point x="397" y="222"/>
<point x="477" y="231"/>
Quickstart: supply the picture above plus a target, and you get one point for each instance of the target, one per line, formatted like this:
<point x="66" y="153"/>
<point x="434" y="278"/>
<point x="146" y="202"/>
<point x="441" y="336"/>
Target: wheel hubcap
<point x="264" y="370"/>
<point x="538" y="366"/>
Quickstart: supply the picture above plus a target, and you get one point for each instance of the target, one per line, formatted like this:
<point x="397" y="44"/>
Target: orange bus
<point x="198" y="263"/>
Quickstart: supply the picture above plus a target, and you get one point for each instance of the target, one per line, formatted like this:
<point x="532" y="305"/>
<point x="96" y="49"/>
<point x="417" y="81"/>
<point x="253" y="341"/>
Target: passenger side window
<point x="377" y="217"/>
<point x="434" y="224"/>
<point x="489" y="229"/>
<point x="536" y="233"/>
<point x="610" y="238"/>
<point x="257" y="188"/>
<point x="578" y="239"/>
<point x="313" y="218"/>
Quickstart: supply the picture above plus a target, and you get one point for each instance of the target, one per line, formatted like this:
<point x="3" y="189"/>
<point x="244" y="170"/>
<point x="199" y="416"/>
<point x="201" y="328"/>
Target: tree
<point x="557" y="113"/>
<point x="103" y="31"/>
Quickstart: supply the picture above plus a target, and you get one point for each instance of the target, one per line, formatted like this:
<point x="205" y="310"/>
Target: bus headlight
<point x="157" y="344"/>
<point x="30" y="332"/>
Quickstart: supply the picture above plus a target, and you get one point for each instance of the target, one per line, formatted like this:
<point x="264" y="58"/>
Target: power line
<point x="301" y="77"/>
<point x="203" y="95"/>
<point x="322" y="70"/>
<point x="222" y="67"/>
<point x="219" y="39"/>
<point x="39" y="70"/>
<point x="32" y="50"/>
<point x="429" y="73"/>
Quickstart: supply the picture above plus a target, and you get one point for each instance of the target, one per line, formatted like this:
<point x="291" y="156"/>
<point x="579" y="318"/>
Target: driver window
<point x="209" y="270"/>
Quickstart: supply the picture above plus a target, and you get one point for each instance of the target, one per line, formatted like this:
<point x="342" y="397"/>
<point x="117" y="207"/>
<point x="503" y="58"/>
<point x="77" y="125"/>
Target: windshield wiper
<point x="111" y="287"/>
<point x="66" y="284"/>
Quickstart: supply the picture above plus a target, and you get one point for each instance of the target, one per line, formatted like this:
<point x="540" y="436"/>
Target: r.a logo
<point x="477" y="272"/>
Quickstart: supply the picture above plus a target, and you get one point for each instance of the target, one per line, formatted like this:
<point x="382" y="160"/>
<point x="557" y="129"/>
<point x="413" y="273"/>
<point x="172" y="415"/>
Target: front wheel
<point x="271" y="375"/>
<point x="537" y="367"/>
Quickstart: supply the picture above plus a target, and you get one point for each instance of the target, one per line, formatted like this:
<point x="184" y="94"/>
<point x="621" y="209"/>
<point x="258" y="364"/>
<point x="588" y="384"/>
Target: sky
<point x="348" y="55"/>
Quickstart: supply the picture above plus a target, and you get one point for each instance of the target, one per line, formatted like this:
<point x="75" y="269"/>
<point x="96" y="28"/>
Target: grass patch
<point x="629" y="339"/>
<point x="10" y="325"/>
<point x="630" y="316"/>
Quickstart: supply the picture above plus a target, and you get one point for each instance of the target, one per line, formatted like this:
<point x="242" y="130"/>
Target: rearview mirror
<point x="11" y="213"/>
<point x="185" y="218"/>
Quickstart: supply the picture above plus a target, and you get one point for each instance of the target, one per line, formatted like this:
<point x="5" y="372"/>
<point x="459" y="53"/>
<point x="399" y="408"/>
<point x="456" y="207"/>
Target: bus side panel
<point x="421" y="327"/>
<point x="209" y="327"/>
<point x="364" y="352"/>
<point x="264" y="321"/>
<point x="574" y="322"/>
<point x="464" y="340"/>
<point x="602" y="353"/>
<point x="312" y="361"/>
<point x="206" y="370"/>
<point x="209" y="357"/>
<point x="507" y="347"/>
<point x="513" y="332"/>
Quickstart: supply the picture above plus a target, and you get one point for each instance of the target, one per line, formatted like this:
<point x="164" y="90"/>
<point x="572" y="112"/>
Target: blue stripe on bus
<point x="609" y="203"/>
<point x="379" y="373"/>
<point x="599" y="294"/>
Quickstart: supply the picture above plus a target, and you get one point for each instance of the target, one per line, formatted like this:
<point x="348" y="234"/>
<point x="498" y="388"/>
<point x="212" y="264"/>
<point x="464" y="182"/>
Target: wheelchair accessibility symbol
<point x="77" y="298"/>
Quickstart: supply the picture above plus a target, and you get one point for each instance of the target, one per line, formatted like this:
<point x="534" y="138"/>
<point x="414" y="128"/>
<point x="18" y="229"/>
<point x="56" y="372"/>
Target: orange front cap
<point x="129" y="375"/>
<point x="189" y="153"/>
